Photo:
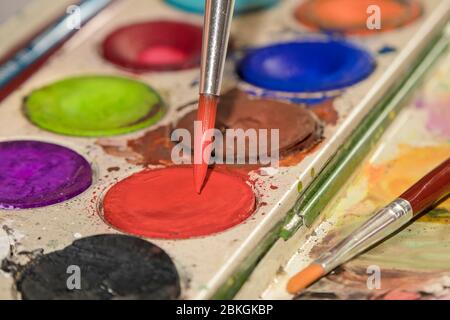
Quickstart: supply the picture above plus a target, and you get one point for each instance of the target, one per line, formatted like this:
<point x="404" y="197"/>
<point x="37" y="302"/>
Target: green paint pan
<point x="94" y="106"/>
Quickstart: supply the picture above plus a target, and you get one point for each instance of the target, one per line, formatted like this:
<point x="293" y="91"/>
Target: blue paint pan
<point x="310" y="66"/>
<point x="241" y="6"/>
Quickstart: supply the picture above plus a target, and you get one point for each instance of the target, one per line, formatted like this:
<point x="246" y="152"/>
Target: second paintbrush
<point x="423" y="194"/>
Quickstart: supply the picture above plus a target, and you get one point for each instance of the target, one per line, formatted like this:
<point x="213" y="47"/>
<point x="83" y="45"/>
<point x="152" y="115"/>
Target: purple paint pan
<point x="36" y="174"/>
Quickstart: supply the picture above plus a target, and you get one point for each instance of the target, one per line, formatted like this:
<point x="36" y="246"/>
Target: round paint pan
<point x="306" y="68"/>
<point x="36" y="174"/>
<point x="101" y="267"/>
<point x="94" y="106"/>
<point x="350" y="17"/>
<point x="154" y="46"/>
<point x="241" y="6"/>
<point x="163" y="203"/>
<point x="298" y="127"/>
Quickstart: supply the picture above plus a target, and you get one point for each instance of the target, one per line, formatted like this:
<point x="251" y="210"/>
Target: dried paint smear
<point x="413" y="263"/>
<point x="301" y="131"/>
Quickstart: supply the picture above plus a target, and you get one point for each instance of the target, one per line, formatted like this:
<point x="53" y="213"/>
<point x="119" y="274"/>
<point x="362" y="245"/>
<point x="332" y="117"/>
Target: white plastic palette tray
<point x="205" y="263"/>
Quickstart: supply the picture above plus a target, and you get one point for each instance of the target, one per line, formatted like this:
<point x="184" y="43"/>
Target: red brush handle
<point x="430" y="189"/>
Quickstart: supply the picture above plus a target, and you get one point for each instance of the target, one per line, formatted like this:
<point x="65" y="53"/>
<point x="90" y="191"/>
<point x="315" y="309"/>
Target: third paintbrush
<point x="422" y="195"/>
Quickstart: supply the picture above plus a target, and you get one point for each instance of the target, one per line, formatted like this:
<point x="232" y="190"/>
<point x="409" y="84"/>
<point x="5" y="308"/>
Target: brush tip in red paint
<point x="199" y="176"/>
<point x="206" y="114"/>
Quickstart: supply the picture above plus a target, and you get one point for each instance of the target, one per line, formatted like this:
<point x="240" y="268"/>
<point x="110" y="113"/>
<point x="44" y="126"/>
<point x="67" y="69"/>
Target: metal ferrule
<point x="218" y="16"/>
<point x="382" y="224"/>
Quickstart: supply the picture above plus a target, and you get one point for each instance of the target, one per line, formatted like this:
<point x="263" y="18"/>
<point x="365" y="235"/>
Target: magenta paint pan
<point x="154" y="46"/>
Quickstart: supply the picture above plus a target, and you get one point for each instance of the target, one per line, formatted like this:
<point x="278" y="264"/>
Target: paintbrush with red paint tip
<point x="422" y="195"/>
<point x="216" y="33"/>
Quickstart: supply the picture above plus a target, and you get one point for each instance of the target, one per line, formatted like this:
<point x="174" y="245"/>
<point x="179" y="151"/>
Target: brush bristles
<point x="305" y="278"/>
<point x="206" y="114"/>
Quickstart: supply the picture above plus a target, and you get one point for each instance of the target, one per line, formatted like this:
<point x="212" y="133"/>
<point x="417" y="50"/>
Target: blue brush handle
<point x="47" y="40"/>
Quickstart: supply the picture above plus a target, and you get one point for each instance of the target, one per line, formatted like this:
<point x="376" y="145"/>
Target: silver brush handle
<point x="382" y="224"/>
<point x="216" y="33"/>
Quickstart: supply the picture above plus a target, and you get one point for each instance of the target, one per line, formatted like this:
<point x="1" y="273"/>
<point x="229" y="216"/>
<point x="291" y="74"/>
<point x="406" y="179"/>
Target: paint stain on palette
<point x="109" y="267"/>
<point x="412" y="163"/>
<point x="300" y="129"/>
<point x="350" y="283"/>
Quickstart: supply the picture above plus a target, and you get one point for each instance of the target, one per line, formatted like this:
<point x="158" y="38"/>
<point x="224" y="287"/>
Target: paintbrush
<point x="422" y="195"/>
<point x="216" y="32"/>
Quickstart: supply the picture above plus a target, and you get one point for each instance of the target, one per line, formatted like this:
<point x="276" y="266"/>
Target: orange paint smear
<point x="326" y="112"/>
<point x="395" y="176"/>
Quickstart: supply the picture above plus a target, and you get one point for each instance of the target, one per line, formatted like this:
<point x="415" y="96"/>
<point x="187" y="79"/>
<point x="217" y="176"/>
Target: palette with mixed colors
<point x="413" y="263"/>
<point x="86" y="176"/>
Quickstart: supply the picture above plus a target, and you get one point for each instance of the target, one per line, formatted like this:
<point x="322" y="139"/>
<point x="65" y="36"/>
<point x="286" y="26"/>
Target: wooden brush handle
<point x="430" y="189"/>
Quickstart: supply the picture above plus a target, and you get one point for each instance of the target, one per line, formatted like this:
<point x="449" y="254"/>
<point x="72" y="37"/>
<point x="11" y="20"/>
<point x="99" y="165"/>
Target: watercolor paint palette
<point x="414" y="263"/>
<point x="104" y="105"/>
